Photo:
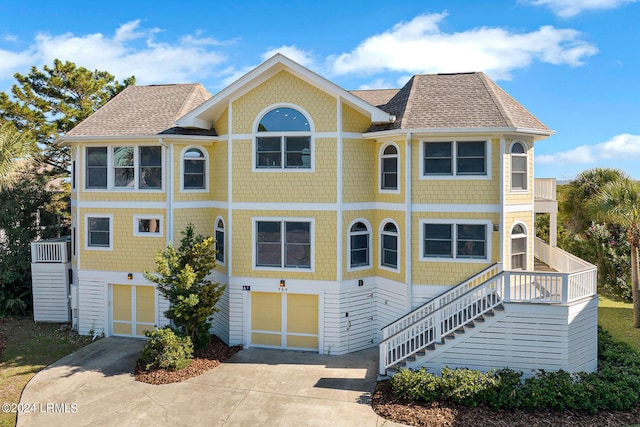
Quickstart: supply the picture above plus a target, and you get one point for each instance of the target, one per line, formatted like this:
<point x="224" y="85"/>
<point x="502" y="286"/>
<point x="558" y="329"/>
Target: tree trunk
<point x="635" y="286"/>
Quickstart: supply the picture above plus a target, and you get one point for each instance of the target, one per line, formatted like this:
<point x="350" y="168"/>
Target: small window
<point x="283" y="140"/>
<point x="73" y="175"/>
<point x="518" y="167"/>
<point x="99" y="232"/>
<point x="97" y="164"/>
<point x="389" y="168"/>
<point x="219" y="230"/>
<point x="518" y="248"/>
<point x="389" y="241"/>
<point x="438" y="240"/>
<point x="471" y="241"/>
<point x="150" y="226"/>
<point x="194" y="169"/>
<point x="359" y="240"/>
<point x="283" y="244"/>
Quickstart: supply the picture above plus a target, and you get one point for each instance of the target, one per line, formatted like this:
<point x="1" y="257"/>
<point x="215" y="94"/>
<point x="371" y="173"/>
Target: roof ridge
<point x="409" y="102"/>
<point x="491" y="89"/>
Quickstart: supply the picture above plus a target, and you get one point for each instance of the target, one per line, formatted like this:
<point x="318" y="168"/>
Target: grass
<point x="616" y="317"/>
<point x="29" y="348"/>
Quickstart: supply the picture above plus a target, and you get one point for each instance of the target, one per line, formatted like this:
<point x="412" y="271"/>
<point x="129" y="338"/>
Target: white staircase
<point x="451" y="317"/>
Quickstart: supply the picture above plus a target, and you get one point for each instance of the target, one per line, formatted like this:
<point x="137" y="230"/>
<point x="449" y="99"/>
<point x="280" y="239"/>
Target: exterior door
<point x="360" y="330"/>
<point x="284" y="320"/>
<point x="133" y="309"/>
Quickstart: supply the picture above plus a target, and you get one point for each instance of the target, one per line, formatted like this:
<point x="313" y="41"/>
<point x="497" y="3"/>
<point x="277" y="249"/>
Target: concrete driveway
<point x="256" y="387"/>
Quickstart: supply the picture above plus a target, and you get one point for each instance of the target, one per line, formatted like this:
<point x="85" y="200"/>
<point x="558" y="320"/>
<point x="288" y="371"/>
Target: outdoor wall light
<point x="130" y="276"/>
<point x="496" y="227"/>
<point x="282" y="283"/>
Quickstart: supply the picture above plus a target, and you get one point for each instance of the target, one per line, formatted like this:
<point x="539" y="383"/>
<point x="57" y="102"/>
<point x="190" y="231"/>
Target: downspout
<point x="503" y="215"/>
<point x="408" y="223"/>
<point x="169" y="171"/>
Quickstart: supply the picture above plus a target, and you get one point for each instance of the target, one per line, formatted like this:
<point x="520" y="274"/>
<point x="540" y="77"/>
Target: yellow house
<point x="343" y="219"/>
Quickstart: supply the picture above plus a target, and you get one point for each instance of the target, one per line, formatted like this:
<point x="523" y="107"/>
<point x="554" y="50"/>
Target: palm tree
<point x="618" y="202"/>
<point x="14" y="146"/>
<point x="582" y="189"/>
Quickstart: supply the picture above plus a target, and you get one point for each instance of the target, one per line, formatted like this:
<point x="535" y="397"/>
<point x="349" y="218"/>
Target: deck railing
<point x="462" y="304"/>
<point x="51" y="251"/>
<point x="545" y="188"/>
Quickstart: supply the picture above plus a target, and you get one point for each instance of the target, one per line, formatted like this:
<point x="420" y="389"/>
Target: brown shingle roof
<point x="375" y="97"/>
<point x="456" y="101"/>
<point x="143" y="110"/>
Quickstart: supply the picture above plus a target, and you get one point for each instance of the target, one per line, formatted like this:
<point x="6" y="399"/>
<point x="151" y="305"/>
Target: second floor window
<point x="518" y="167"/>
<point x="389" y="168"/>
<point x="359" y="243"/>
<point x="455" y="158"/>
<point x="194" y="170"/>
<point x="283" y="140"/>
<point x="283" y="244"/>
<point x="124" y="167"/>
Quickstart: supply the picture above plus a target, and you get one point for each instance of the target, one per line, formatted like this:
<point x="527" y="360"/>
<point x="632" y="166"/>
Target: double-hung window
<point x="389" y="168"/>
<point x="359" y="245"/>
<point x="125" y="167"/>
<point x="283" y="140"/>
<point x="194" y="169"/>
<point x="389" y="246"/>
<point x="283" y="244"/>
<point x="99" y="232"/>
<point x="454" y="241"/>
<point x="454" y="158"/>
<point x="518" y="167"/>
<point x="219" y="231"/>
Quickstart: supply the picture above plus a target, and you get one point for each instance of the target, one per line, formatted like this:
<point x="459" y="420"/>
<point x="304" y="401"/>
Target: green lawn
<point x="29" y="348"/>
<point x="617" y="317"/>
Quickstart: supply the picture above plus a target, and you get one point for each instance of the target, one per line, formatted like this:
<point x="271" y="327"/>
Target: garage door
<point x="284" y="320"/>
<point x="133" y="309"/>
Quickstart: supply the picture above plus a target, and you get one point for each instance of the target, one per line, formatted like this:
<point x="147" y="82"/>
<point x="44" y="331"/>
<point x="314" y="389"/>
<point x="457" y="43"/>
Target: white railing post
<point x="565" y="289"/>
<point x="506" y="286"/>
<point x="382" y="359"/>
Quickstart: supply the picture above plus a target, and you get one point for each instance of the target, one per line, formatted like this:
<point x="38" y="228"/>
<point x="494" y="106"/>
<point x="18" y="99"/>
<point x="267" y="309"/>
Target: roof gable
<point x="206" y="114"/>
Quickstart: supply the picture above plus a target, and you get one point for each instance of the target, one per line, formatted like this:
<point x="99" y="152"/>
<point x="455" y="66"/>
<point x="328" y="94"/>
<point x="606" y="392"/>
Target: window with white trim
<point x="219" y="238"/>
<point x="194" y="167"/>
<point x="283" y="140"/>
<point x="454" y="241"/>
<point x="454" y="158"/>
<point x="149" y="226"/>
<point x="124" y="167"/>
<point x="283" y="244"/>
<point x="389" y="246"/>
<point x="359" y="245"/>
<point x="518" y="167"/>
<point x="99" y="231"/>
<point x="389" y="168"/>
<point x="518" y="248"/>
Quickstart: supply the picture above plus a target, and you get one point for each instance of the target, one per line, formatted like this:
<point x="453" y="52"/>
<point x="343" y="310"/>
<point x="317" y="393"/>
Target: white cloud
<point x="570" y="8"/>
<point x="419" y="46"/>
<point x="302" y="57"/>
<point x="131" y="50"/>
<point x="621" y="147"/>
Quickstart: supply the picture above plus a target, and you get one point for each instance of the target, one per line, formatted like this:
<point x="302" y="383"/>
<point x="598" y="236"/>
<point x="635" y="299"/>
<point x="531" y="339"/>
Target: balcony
<point x="545" y="201"/>
<point x="51" y="251"/>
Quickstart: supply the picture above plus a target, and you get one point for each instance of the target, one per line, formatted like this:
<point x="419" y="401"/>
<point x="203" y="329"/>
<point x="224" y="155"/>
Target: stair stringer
<point x="459" y="338"/>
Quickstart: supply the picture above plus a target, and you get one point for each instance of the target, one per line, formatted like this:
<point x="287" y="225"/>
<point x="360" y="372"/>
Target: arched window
<point x="518" y="248"/>
<point x="518" y="167"/>
<point x="359" y="242"/>
<point x="389" y="246"/>
<point x="219" y="230"/>
<point x="389" y="168"/>
<point x="194" y="170"/>
<point x="283" y="140"/>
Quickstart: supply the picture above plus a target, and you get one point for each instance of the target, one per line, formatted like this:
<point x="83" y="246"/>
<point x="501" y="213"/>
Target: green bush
<point x="166" y="350"/>
<point x="616" y="385"/>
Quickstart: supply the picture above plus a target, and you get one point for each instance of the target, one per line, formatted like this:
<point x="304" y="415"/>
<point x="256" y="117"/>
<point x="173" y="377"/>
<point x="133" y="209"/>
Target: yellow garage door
<point x="284" y="320"/>
<point x="133" y="309"/>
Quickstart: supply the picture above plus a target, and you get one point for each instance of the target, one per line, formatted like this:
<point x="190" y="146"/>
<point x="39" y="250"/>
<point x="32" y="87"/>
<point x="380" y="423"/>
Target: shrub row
<point x="615" y="386"/>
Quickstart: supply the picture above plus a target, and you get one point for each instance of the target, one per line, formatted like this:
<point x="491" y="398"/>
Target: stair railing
<point x="443" y="320"/>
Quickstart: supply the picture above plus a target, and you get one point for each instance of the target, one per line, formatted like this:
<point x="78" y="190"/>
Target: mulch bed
<point x="414" y="413"/>
<point x="203" y="360"/>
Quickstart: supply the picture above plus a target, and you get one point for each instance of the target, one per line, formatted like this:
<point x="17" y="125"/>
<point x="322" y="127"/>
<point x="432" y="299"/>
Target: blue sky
<point x="573" y="63"/>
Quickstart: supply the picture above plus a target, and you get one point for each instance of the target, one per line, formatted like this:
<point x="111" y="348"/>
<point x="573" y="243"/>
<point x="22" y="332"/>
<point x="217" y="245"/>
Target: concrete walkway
<point x="256" y="387"/>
